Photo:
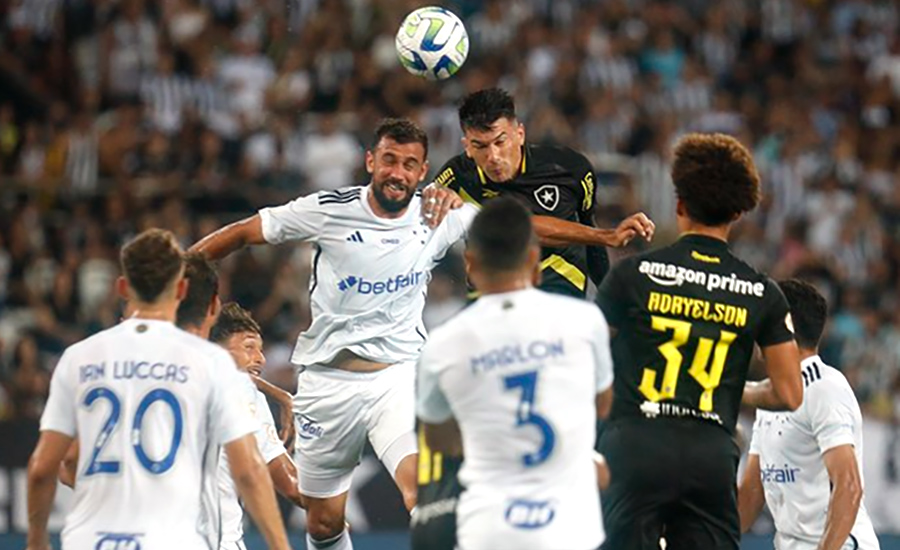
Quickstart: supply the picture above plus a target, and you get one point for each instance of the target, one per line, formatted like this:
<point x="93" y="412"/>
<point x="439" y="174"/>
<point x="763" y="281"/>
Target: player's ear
<point x="424" y="171"/>
<point x="465" y="144"/>
<point x="370" y="162"/>
<point x="471" y="263"/>
<point x="122" y="287"/>
<point x="215" y="306"/>
<point x="181" y="288"/>
<point x="520" y="132"/>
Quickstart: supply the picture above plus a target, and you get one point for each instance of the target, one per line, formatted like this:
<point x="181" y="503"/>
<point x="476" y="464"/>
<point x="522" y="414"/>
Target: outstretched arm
<point x="556" y="232"/>
<point x="285" y="407"/>
<point x="231" y="238"/>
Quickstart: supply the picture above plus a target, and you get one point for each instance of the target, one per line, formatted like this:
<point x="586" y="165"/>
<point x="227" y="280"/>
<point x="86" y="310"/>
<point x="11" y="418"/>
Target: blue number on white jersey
<point x="96" y="466"/>
<point x="526" y="415"/>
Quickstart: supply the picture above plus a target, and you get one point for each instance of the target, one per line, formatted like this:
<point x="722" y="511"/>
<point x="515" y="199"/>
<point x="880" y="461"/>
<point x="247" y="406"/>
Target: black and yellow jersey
<point x="687" y="317"/>
<point x="552" y="181"/>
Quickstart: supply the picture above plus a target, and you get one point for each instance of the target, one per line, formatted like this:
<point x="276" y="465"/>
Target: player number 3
<point x="527" y="416"/>
<point x="157" y="467"/>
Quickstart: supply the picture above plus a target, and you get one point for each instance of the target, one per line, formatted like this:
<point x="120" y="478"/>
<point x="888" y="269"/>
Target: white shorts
<point x="335" y="410"/>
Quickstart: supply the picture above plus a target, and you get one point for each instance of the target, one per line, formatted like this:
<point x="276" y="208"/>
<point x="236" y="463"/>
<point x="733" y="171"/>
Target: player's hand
<point x="437" y="202"/>
<point x="635" y="225"/>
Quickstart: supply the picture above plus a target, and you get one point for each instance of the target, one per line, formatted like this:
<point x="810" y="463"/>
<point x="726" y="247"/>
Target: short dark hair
<point x="203" y="286"/>
<point x="809" y="310"/>
<point x="151" y="262"/>
<point x="715" y="178"/>
<point x="501" y="235"/>
<point x="233" y="319"/>
<point x="480" y="109"/>
<point x="401" y="130"/>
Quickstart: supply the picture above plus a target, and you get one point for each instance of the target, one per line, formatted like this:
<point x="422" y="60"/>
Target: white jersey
<point x="790" y="448"/>
<point x="270" y="448"/>
<point x="520" y="372"/>
<point x="370" y="274"/>
<point x="149" y="404"/>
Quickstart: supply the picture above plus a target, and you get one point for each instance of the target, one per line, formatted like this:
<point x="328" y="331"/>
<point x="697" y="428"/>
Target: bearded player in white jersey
<point x="149" y="403"/>
<point x="520" y="399"/>
<point x="372" y="264"/>
<point x="806" y="465"/>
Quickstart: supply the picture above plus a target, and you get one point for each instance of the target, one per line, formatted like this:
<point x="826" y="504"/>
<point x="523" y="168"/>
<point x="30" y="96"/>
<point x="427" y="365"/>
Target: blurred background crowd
<point x="117" y="115"/>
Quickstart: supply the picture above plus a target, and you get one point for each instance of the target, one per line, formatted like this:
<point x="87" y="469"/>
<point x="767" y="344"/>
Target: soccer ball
<point x="432" y="42"/>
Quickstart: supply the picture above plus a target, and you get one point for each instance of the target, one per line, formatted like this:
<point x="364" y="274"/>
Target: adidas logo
<point x="355" y="237"/>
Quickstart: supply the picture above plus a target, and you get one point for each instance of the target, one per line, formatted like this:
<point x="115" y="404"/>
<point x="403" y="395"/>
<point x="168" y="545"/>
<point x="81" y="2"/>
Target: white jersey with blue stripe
<point x="370" y="274"/>
<point x="791" y="445"/>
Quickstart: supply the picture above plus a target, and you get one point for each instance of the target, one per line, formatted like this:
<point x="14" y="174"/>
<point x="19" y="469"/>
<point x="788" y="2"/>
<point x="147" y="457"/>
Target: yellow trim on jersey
<point x="704" y="258"/>
<point x="568" y="271"/>
<point x="523" y="159"/>
<point x="430" y="467"/>
<point x="587" y="183"/>
<point x="481" y="174"/>
<point x="467" y="197"/>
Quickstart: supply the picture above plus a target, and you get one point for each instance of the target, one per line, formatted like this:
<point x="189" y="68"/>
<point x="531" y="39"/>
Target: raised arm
<point x="556" y="232"/>
<point x="285" y="408"/>
<point x="255" y="489"/>
<point x="231" y="238"/>
<point x="783" y="390"/>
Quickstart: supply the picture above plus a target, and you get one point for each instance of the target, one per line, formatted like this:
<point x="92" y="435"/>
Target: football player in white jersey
<point x="237" y="331"/>
<point x="806" y="464"/>
<point x="373" y="260"/>
<point x="142" y="484"/>
<point x="520" y="398"/>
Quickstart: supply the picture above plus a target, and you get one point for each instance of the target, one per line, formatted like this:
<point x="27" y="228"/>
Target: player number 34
<point x="707" y="375"/>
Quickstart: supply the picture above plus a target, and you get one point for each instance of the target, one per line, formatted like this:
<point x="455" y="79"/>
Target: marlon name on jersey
<point x="140" y="370"/>
<point x="537" y="350"/>
<point x="395" y="284"/>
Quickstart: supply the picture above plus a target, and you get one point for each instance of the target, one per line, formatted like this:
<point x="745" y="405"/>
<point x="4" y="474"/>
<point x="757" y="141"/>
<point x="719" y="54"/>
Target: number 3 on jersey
<point x="708" y="379"/>
<point x="526" y="415"/>
<point x="157" y="467"/>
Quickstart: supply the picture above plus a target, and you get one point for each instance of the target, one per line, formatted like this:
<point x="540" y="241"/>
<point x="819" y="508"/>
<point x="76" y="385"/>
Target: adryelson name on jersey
<point x="394" y="284"/>
<point x="141" y="370"/>
<point x="537" y="350"/>
<point x="676" y="275"/>
<point x="696" y="308"/>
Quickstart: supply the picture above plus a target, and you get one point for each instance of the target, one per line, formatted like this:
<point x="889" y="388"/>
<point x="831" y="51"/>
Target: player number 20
<point x="707" y="375"/>
<point x="157" y="467"/>
<point x="527" y="416"/>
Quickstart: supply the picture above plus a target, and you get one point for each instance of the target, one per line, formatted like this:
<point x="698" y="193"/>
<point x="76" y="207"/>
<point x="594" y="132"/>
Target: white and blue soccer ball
<point x="432" y="42"/>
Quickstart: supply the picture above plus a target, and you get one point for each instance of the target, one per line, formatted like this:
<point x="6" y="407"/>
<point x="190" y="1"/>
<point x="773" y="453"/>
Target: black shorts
<point x="434" y="525"/>
<point x="671" y="478"/>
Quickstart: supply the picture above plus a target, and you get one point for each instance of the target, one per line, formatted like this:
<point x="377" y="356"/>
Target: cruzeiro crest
<point x="547" y="196"/>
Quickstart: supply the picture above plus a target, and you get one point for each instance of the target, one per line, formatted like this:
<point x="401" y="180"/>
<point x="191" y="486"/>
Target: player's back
<point x="520" y="373"/>
<point x="151" y="404"/>
<point x="688" y="316"/>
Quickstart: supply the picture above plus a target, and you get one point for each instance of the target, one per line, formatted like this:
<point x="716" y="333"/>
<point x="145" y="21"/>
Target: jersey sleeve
<point x="447" y="176"/>
<point x="602" y="354"/>
<point x="431" y="403"/>
<point x="830" y="414"/>
<point x="611" y="296"/>
<point x="454" y="227"/>
<point x="754" y="437"/>
<point x="777" y="326"/>
<point x="298" y="220"/>
<point x="230" y="418"/>
<point x="59" y="412"/>
<point x="270" y="446"/>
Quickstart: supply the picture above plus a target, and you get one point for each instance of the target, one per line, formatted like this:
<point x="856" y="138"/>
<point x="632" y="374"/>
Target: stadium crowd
<point x="118" y="115"/>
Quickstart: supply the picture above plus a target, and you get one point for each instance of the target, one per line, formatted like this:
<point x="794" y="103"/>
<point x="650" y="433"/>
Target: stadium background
<point x="117" y="115"/>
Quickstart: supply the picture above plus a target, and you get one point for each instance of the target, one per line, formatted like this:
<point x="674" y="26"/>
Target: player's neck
<point x="720" y="232"/>
<point x="161" y="311"/>
<point x="501" y="284"/>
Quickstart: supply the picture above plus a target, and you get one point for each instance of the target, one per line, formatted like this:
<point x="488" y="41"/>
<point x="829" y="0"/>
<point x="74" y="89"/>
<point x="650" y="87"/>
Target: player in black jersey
<point x="686" y="318"/>
<point x="557" y="185"/>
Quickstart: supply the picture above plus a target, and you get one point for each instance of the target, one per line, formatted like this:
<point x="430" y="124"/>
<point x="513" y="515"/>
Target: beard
<point x="391" y="205"/>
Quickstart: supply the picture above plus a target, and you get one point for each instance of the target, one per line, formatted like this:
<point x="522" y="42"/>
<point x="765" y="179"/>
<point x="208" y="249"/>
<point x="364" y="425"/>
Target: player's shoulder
<point x="561" y="155"/>
<point x="339" y="198"/>
<point x="821" y="380"/>
<point x="458" y="169"/>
